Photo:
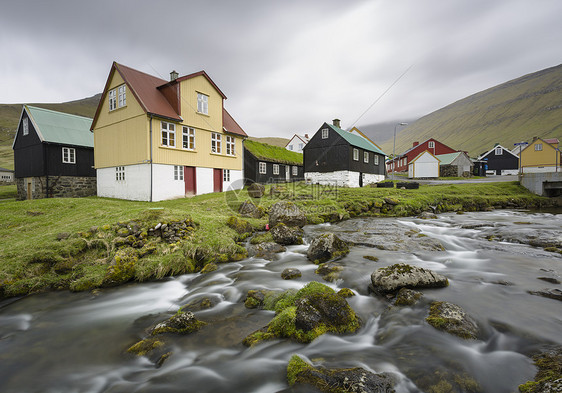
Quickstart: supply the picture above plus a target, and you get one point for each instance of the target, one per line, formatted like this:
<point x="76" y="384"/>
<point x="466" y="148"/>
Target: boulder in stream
<point x="553" y="293"/>
<point x="183" y="322"/>
<point x="391" y="279"/>
<point x="452" y="319"/>
<point x="549" y="376"/>
<point x="287" y="235"/>
<point x="288" y="213"/>
<point x="290" y="273"/>
<point x="325" y="247"/>
<point x="340" y="380"/>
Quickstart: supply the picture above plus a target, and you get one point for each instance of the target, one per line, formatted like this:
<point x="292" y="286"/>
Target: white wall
<point x="425" y="165"/>
<point x="136" y="185"/>
<point x="164" y="185"/>
<point x="544" y="169"/>
<point x="236" y="181"/>
<point x="341" y="178"/>
<point x="369" y="178"/>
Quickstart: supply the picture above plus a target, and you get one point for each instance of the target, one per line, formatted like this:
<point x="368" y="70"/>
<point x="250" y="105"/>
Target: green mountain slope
<point x="10" y="115"/>
<point x="512" y="112"/>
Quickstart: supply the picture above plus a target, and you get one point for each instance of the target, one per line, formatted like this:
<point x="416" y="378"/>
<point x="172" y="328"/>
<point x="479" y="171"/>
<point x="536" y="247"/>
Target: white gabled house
<point x="424" y="165"/>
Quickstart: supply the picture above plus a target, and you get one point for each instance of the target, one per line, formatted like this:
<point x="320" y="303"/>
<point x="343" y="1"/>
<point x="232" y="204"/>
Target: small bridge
<point x="547" y="184"/>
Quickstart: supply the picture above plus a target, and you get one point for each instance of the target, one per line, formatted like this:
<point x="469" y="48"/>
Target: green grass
<point x="273" y="153"/>
<point x="34" y="260"/>
<point x="8" y="191"/>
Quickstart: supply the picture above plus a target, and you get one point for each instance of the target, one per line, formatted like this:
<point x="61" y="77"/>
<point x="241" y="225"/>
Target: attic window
<point x="117" y="97"/>
<point x="499" y="151"/>
<point x="431" y="144"/>
<point x="122" y="95"/>
<point x="324" y="133"/>
<point x="203" y="103"/>
<point x="538" y="147"/>
<point x="25" y="126"/>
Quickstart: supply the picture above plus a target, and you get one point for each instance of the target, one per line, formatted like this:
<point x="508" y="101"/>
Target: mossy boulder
<point x="390" y="279"/>
<point x="339" y="380"/>
<point x="407" y="297"/>
<point x="290" y="273"/>
<point x="452" y="319"/>
<point x="326" y="247"/>
<point x="287" y="235"/>
<point x="329" y="271"/>
<point x="267" y="250"/>
<point x="255" y="298"/>
<point x="287" y="213"/>
<point x="256" y="190"/>
<point x="249" y="209"/>
<point x="183" y="322"/>
<point x="549" y="377"/>
<point x="144" y="347"/>
<point x="239" y="225"/>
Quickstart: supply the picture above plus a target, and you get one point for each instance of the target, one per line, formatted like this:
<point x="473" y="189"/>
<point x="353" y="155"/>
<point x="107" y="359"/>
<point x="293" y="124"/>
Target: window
<point x="295" y="170"/>
<point x="366" y="157"/>
<point x="499" y="151"/>
<point x="324" y="133"/>
<point x="168" y="134"/>
<point x="275" y="169"/>
<point x="25" y="126"/>
<point x="290" y="147"/>
<point x="376" y="160"/>
<point x="112" y="100"/>
<point x="431" y="144"/>
<point x="262" y="168"/>
<point x="188" y="138"/>
<point x="226" y="175"/>
<point x="122" y="96"/>
<point x="355" y="154"/>
<point x="301" y="146"/>
<point x="230" y="144"/>
<point x="68" y="155"/>
<point x="120" y="173"/>
<point x="178" y="172"/>
<point x="203" y="103"/>
<point x="538" y="147"/>
<point x="216" y="143"/>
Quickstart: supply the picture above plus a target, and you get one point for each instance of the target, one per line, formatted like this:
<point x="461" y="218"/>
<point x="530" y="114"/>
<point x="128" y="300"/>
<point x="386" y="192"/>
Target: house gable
<point x="540" y="153"/>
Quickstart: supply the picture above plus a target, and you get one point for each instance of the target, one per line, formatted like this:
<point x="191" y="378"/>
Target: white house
<point x="6" y="175"/>
<point x="424" y="165"/>
<point x="297" y="143"/>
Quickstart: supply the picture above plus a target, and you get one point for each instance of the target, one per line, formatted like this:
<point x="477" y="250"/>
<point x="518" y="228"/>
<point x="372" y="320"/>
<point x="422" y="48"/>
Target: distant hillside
<point x="281" y="142"/>
<point x="512" y="112"/>
<point x="381" y="133"/>
<point x="10" y="114"/>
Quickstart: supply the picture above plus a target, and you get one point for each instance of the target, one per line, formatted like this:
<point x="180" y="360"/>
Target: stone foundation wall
<point x="59" y="187"/>
<point x="341" y="178"/>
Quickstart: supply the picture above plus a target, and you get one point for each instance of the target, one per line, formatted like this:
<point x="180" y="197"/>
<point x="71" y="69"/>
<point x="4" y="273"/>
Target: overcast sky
<point x="285" y="66"/>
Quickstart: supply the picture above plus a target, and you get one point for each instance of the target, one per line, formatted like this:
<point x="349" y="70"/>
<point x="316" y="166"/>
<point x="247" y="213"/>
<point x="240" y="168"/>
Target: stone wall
<point x="341" y="178"/>
<point x="448" y="171"/>
<point x="59" y="187"/>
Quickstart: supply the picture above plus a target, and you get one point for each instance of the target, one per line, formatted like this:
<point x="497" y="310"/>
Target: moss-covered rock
<point x="239" y="225"/>
<point x="346" y="292"/>
<point x="287" y="235"/>
<point x="329" y="271"/>
<point x="549" y="377"/>
<point x="326" y="247"/>
<point x="452" y="319"/>
<point x="183" y="322"/>
<point x="144" y="347"/>
<point x="392" y="278"/>
<point x="287" y="213"/>
<point x="210" y="267"/>
<point x="290" y="273"/>
<point x="255" y="298"/>
<point x="407" y="297"/>
<point x="340" y="380"/>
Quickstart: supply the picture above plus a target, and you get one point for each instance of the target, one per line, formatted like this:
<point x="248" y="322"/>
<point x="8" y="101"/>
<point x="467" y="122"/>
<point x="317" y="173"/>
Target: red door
<point x="217" y="180"/>
<point x="189" y="180"/>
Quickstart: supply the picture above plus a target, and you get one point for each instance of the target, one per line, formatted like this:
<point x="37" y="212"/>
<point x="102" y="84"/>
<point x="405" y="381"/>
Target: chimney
<point x="535" y="138"/>
<point x="173" y="76"/>
<point x="496" y="144"/>
<point x="306" y="136"/>
<point x="336" y="122"/>
<point x="415" y="144"/>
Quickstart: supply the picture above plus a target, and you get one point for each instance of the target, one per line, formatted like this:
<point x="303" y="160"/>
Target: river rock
<point x="255" y="298"/>
<point x="239" y="225"/>
<point x="407" y="297"/>
<point x="549" y="376"/>
<point x="256" y="190"/>
<point x="553" y="293"/>
<point x="290" y="273"/>
<point x="392" y="278"/>
<point x="266" y="250"/>
<point x="287" y="213"/>
<point x="286" y="235"/>
<point x="248" y="209"/>
<point x="452" y="319"/>
<point x="342" y="380"/>
<point x="330" y="271"/>
<point x="326" y="247"/>
<point x="183" y="322"/>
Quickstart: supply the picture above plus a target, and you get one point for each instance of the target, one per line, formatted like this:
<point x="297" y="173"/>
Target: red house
<point x="402" y="160"/>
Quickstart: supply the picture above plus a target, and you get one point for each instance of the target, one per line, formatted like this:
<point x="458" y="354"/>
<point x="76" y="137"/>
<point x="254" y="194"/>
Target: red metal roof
<point x="552" y="141"/>
<point x="230" y="125"/>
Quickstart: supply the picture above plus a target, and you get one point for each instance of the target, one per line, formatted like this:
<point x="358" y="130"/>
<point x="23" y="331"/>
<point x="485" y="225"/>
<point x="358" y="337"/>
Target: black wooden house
<point x="265" y="164"/>
<point x="53" y="155"/>
<point x="337" y="157"/>
<point x="500" y="161"/>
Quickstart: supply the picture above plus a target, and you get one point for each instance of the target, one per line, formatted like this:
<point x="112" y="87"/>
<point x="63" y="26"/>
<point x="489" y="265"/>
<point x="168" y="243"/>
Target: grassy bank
<point x="80" y="244"/>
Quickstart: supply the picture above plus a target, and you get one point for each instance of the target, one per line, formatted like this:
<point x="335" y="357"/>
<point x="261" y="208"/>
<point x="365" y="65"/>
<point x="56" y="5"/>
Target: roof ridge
<point x="58" y="112"/>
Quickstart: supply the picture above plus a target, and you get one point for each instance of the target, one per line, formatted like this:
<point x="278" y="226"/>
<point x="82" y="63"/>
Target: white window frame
<point x="275" y="169"/>
<point x="226" y="175"/>
<point x="119" y="173"/>
<point x="290" y="147"/>
<point x="68" y="155"/>
<point x="431" y="144"/>
<point x="203" y="103"/>
<point x="168" y="134"/>
<point x="366" y="157"/>
<point x="355" y="154"/>
<point x="112" y="94"/>
<point x="538" y="146"/>
<point x="178" y="172"/>
<point x="25" y="126"/>
<point x="499" y="151"/>
<point x="188" y="138"/>
<point x="301" y="146"/>
<point x="230" y="146"/>
<point x="262" y="168"/>
<point x="122" y="96"/>
<point x="295" y="170"/>
<point x="216" y="143"/>
<point x="325" y="133"/>
<point x="376" y="160"/>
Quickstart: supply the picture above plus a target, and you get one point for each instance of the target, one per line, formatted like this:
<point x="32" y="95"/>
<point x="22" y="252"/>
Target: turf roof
<point x="263" y="151"/>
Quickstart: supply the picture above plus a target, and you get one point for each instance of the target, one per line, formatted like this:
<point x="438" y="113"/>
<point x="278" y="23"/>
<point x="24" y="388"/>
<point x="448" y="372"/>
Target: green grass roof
<point x="63" y="128"/>
<point x="356" y="140"/>
<point x="267" y="152"/>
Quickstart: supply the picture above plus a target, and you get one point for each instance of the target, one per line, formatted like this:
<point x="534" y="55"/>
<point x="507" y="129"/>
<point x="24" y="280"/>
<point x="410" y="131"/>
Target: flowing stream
<point x="76" y="342"/>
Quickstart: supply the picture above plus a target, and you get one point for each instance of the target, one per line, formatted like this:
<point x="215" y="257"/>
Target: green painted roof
<point x="446" y="159"/>
<point x="267" y="152"/>
<point x="356" y="140"/>
<point x="63" y="128"/>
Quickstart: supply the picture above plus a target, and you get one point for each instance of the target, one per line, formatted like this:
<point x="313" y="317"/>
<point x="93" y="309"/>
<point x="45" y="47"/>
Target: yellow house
<point x="156" y="139"/>
<point x="541" y="155"/>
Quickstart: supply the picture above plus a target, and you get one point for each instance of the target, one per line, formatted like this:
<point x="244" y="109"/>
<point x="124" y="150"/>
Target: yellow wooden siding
<point x="120" y="136"/>
<point x="189" y="89"/>
<point x="544" y="157"/>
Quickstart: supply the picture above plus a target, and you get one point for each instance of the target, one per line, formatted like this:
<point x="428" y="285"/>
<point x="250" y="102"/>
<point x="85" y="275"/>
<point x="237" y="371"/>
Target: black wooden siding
<point x="252" y="175"/>
<point x="501" y="162"/>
